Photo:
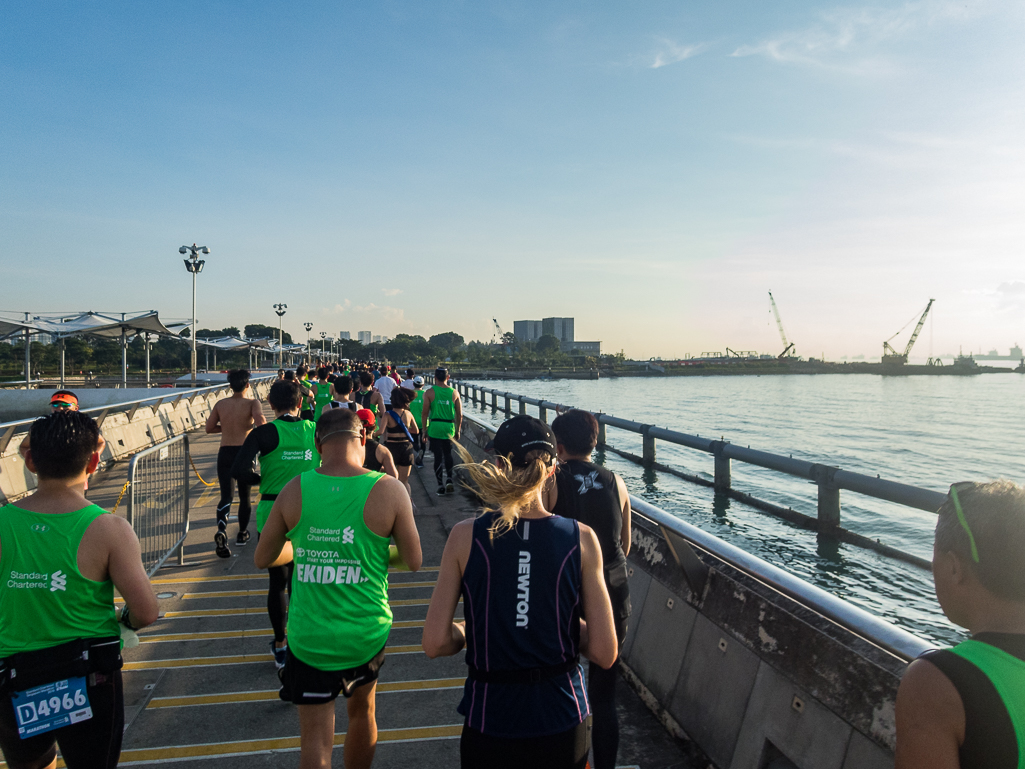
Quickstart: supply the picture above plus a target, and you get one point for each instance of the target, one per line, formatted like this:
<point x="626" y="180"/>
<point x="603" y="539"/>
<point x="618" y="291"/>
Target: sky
<point x="652" y="169"/>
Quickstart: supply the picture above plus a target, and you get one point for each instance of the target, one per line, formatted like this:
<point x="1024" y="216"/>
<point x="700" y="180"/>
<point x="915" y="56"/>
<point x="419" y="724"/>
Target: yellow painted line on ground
<point x="252" y="633"/>
<point x="213" y="612"/>
<point x="242" y="593"/>
<point x="241" y="659"/>
<point x="272" y="694"/>
<point x="258" y="575"/>
<point x="256" y="747"/>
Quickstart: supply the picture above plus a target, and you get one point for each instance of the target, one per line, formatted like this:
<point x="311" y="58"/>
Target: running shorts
<point x="565" y="750"/>
<point x="303" y="684"/>
<point x="402" y="452"/>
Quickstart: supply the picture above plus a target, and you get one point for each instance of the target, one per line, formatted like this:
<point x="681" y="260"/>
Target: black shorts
<point x="303" y="684"/>
<point x="402" y="452"/>
<point x="566" y="750"/>
<point x="92" y="743"/>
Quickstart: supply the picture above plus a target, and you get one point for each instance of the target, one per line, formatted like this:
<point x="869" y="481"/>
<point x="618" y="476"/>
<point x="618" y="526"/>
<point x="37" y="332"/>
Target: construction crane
<point x="498" y="336"/>
<point x="788" y="347"/>
<point x="891" y="356"/>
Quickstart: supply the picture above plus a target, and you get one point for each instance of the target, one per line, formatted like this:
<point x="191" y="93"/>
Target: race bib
<point x="51" y="706"/>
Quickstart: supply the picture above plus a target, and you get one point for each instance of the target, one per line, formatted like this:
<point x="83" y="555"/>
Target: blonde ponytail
<point x="506" y="488"/>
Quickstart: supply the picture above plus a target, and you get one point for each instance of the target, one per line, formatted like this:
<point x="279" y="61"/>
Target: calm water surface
<point x="926" y="431"/>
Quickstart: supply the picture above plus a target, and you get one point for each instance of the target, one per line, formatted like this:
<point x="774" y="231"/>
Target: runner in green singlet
<point x="416" y="408"/>
<point x="285" y="448"/>
<point x="338" y="521"/>
<point x="321" y="393"/>
<point x="442" y="414"/>
<point x="60" y="561"/>
<point x="964" y="708"/>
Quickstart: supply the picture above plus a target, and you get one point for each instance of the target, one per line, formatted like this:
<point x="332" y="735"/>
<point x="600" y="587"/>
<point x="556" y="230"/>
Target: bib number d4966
<point x="51" y="706"/>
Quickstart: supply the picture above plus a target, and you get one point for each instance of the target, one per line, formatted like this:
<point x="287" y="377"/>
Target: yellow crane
<point x="893" y="358"/>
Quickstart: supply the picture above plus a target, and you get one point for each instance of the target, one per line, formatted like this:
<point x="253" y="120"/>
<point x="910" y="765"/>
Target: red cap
<point x="366" y="416"/>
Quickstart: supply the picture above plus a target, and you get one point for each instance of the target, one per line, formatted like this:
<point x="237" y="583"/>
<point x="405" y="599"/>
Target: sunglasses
<point x="964" y="522"/>
<point x="62" y="405"/>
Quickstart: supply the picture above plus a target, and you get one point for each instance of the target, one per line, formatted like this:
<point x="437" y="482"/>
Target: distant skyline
<point x="651" y="170"/>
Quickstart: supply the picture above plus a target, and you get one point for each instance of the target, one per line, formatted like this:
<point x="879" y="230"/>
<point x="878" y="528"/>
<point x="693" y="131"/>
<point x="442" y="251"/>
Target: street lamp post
<point x="308" y="326"/>
<point x="323" y="336"/>
<point x="194" y="265"/>
<point x="280" y="310"/>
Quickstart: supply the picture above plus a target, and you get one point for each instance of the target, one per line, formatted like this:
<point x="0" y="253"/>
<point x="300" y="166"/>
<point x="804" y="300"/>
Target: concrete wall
<point x="125" y="432"/>
<point x="754" y="678"/>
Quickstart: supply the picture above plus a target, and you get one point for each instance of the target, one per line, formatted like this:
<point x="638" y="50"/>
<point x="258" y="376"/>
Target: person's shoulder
<point x="110" y="528"/>
<point x="924" y="685"/>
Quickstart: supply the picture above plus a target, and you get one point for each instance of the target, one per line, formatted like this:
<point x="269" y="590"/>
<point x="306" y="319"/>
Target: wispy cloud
<point x="846" y="38"/>
<point x="669" y="52"/>
<point x="391" y="291"/>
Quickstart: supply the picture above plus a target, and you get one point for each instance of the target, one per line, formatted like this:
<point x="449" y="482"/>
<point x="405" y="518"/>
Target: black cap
<point x="440" y="372"/>
<point x="521" y="435"/>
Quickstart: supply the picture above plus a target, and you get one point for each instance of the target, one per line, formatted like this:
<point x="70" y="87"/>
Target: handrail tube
<point x="682" y="439"/>
<point x="622" y="424"/>
<point x="895" y="640"/>
<point x="127" y="404"/>
<point x="788" y="465"/>
<point x="892" y="491"/>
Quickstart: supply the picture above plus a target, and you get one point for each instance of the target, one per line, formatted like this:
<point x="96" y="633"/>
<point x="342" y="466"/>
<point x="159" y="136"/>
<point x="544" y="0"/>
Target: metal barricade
<point x="158" y="501"/>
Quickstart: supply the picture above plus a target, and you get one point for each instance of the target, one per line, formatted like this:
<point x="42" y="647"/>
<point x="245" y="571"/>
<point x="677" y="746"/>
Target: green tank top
<point x="321" y="398"/>
<point x="45" y="601"/>
<point x="295" y="454"/>
<point x="339" y="616"/>
<point x="443" y="413"/>
<point x="416" y="408"/>
<point x="1007" y="674"/>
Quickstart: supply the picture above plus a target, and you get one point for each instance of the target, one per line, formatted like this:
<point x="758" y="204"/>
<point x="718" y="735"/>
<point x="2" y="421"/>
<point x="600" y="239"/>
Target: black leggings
<point x="91" y="744"/>
<point x="601" y="693"/>
<point x="277" y="598"/>
<point x="225" y="459"/>
<point x="442" y="450"/>
<point x="566" y="750"/>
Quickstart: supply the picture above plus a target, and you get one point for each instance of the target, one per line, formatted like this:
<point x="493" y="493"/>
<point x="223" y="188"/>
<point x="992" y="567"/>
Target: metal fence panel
<point x="158" y="501"/>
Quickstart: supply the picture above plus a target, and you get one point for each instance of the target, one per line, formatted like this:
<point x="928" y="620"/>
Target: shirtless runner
<point x="233" y="418"/>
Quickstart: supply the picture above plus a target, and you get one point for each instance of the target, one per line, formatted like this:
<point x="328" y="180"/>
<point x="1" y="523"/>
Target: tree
<point x="509" y="338"/>
<point x="205" y="333"/>
<point x="258" y="331"/>
<point x="449" y="342"/>
<point x="548" y="344"/>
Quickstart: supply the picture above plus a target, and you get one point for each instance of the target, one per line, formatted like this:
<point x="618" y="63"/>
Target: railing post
<point x="474" y="394"/>
<point x="185" y="491"/>
<point x="508" y="406"/>
<point x="648" y="455"/>
<point x="523" y="404"/>
<point x="723" y="479"/>
<point x="494" y="401"/>
<point x="542" y="412"/>
<point x="601" y="430"/>
<point x="829" y="499"/>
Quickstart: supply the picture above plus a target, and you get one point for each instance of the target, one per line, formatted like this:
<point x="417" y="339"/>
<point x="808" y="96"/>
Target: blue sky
<point x="652" y="169"/>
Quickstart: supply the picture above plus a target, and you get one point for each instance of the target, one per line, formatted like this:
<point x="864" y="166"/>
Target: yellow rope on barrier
<point x="119" y="497"/>
<point x="205" y="483"/>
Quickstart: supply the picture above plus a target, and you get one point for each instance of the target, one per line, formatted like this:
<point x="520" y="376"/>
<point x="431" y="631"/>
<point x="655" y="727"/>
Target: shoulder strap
<point x="394" y="415"/>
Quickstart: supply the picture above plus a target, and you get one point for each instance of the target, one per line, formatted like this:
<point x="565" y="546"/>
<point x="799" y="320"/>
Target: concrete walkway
<point x="202" y="683"/>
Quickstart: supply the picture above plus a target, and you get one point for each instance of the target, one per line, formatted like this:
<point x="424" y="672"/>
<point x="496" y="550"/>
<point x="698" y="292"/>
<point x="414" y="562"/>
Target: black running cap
<point x="441" y="372"/>
<point x="521" y="435"/>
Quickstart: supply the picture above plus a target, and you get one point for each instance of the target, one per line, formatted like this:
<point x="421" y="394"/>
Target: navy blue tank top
<point x="521" y="600"/>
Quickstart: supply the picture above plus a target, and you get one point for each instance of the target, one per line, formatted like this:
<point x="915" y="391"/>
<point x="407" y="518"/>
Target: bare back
<point x="236" y="417"/>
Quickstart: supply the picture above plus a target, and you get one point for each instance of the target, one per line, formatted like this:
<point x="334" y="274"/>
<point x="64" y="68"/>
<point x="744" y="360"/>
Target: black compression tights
<point x="601" y="693"/>
<point x="442" y="449"/>
<point x="225" y="459"/>
<point x="277" y="598"/>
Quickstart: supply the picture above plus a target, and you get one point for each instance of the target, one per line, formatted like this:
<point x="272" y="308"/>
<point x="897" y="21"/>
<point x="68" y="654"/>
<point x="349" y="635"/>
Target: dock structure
<point x="201" y="684"/>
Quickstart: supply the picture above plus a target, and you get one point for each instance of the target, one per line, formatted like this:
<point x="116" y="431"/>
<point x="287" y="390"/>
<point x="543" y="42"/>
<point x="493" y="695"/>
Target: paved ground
<point x="202" y="684"/>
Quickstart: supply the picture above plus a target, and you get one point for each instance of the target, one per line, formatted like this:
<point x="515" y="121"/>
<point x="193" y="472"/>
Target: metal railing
<point x="9" y="429"/>
<point x="158" y="501"/>
<point x="829" y="479"/>
<point x="897" y="641"/>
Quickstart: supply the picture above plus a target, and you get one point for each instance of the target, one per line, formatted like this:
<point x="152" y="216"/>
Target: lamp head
<point x="199" y="265"/>
<point x="183" y="250"/>
<point x="205" y="250"/>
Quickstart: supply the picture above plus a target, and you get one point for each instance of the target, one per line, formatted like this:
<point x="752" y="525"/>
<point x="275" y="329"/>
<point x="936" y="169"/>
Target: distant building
<point x="581" y="348"/>
<point x="527" y="330"/>
<point x="344" y="335"/>
<point x="364" y="337"/>
<point x="560" y="328"/>
<point x="381" y="339"/>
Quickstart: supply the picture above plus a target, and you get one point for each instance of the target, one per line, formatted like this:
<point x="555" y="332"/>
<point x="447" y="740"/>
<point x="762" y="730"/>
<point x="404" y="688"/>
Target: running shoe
<point x="449" y="486"/>
<point x="279" y="655"/>
<point x="441" y="491"/>
<point x="242" y="539"/>
<point x="221" y="544"/>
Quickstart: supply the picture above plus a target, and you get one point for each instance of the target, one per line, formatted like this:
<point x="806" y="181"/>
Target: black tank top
<point x="363" y="399"/>
<point x="371" y="462"/>
<point x="989" y="738"/>
<point x="589" y="493"/>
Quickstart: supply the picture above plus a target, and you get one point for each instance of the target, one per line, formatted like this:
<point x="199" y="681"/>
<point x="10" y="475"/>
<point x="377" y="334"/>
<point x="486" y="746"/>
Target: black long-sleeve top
<point x="259" y="443"/>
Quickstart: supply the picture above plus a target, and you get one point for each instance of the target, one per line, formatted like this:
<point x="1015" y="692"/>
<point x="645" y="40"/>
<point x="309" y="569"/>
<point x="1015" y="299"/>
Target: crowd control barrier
<point x="158" y="501"/>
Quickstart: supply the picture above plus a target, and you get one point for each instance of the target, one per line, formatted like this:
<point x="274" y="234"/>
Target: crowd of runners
<point x="542" y="574"/>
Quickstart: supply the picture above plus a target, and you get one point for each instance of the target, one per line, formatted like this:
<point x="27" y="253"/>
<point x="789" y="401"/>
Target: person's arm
<point x="124" y="565"/>
<point x="443" y="636"/>
<point x="242" y="468"/>
<point x="624" y="497"/>
<point x="410" y="423"/>
<point x="274" y="549"/>
<point x="393" y="496"/>
<point x="387" y="461"/>
<point x="425" y="412"/>
<point x="213" y="422"/>
<point x="257" y="414"/>
<point x="930" y="719"/>
<point x="459" y="413"/>
<point x="599" y="643"/>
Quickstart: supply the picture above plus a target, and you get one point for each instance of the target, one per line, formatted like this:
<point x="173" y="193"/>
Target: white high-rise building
<point x="364" y="337"/>
<point x="344" y="335"/>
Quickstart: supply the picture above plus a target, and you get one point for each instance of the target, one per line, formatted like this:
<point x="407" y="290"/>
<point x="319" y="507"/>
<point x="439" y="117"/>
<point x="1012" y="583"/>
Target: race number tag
<point x="51" y="706"/>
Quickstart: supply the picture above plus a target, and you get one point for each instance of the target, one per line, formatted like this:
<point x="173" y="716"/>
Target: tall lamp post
<point x="280" y="310"/>
<point x="194" y="265"/>
<point x="308" y="326"/>
<point x="323" y="336"/>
